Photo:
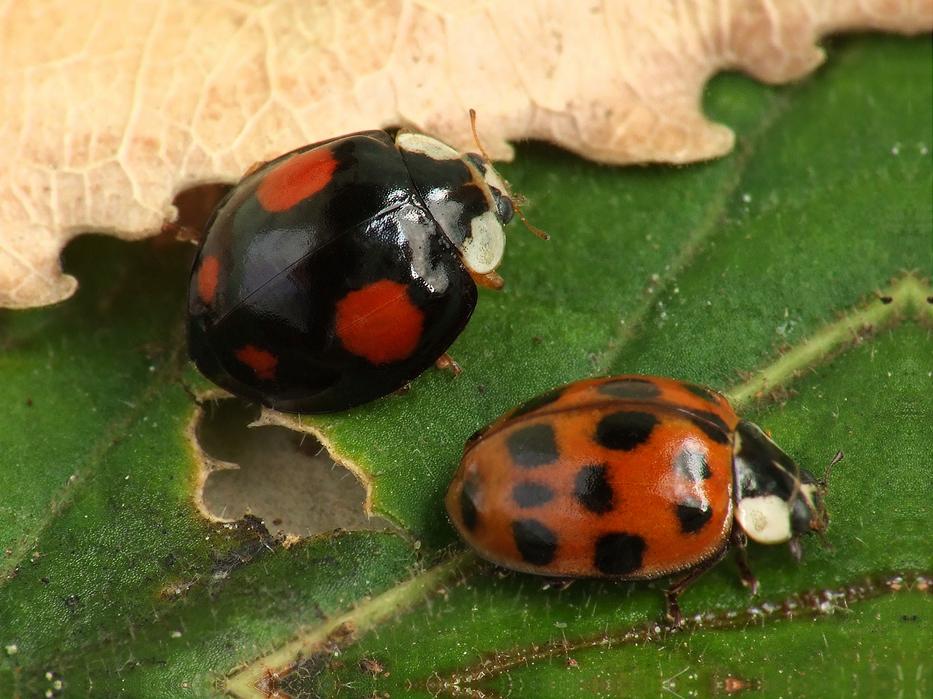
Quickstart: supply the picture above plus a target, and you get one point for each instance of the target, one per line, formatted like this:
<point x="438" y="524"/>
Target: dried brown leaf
<point x="110" y="108"/>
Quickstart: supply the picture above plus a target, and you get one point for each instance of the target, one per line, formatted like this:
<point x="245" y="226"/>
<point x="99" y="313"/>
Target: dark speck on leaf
<point x="885" y="299"/>
<point x="371" y="666"/>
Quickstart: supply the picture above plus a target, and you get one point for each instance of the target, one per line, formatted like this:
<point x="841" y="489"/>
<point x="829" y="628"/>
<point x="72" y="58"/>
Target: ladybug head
<point x="505" y="205"/>
<point x="487" y="228"/>
<point x="776" y="500"/>
<point x="466" y="195"/>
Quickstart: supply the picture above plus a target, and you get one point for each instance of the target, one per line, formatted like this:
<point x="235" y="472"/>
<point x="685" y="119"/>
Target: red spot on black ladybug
<point x="592" y="489"/>
<point x="535" y="542"/>
<point x="531" y="494"/>
<point x="262" y="362"/>
<point x="625" y="430"/>
<point x="296" y="179"/>
<point x="630" y="388"/>
<point x="693" y="516"/>
<point x="711" y="424"/>
<point x="618" y="553"/>
<point x="532" y="446"/>
<point x="379" y="322"/>
<point x="208" y="275"/>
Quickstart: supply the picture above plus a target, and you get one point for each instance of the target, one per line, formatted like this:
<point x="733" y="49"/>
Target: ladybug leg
<point x="739" y="542"/>
<point x="446" y="362"/>
<point x="672" y="611"/>
<point x="490" y="280"/>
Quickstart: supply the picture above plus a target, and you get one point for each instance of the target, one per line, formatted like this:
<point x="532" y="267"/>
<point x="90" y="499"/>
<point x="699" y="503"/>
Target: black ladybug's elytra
<point x="336" y="273"/>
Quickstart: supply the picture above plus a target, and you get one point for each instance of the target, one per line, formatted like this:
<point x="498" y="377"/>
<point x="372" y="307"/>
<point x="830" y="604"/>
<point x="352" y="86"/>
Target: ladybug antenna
<point x="479" y="144"/>
<point x="829" y="467"/>
<point x="515" y="205"/>
<point x="824" y="481"/>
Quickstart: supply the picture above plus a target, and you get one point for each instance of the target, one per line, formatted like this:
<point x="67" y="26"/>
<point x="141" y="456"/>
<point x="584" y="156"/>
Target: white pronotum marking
<point x="482" y="251"/>
<point x="431" y="147"/>
<point x="766" y="519"/>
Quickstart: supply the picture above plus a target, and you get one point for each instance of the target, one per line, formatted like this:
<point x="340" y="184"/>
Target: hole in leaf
<point x="286" y="479"/>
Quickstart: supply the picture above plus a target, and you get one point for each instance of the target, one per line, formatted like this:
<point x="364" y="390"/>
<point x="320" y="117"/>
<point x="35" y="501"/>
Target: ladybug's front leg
<point x="739" y="542"/>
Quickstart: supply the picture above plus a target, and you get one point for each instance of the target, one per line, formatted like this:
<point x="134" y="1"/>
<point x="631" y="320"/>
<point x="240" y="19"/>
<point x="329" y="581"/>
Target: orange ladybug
<point x="631" y="478"/>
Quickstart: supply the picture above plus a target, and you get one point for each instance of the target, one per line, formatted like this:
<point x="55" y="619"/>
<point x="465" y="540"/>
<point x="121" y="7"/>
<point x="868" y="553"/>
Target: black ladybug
<point x="336" y="273"/>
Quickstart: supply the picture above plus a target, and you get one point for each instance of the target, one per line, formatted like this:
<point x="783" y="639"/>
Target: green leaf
<point x="792" y="275"/>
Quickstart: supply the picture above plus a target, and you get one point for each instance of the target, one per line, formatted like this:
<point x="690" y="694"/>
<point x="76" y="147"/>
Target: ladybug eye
<point x="504" y="209"/>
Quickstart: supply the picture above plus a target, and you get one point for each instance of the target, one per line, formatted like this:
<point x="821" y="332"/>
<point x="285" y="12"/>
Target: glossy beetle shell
<point x="324" y="280"/>
<point x="629" y="477"/>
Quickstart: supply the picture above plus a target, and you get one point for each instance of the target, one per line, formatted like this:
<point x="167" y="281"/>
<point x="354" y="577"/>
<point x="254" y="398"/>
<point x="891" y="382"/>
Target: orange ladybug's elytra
<point x="631" y="478"/>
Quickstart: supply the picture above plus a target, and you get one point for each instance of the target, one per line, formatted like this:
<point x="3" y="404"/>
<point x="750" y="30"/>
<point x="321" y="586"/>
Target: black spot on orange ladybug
<point x="531" y="494"/>
<point x="630" y="477"/>
<point x="618" y="553"/>
<point x="534" y="541"/>
<point x="592" y="489"/>
<point x="335" y="274"/>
